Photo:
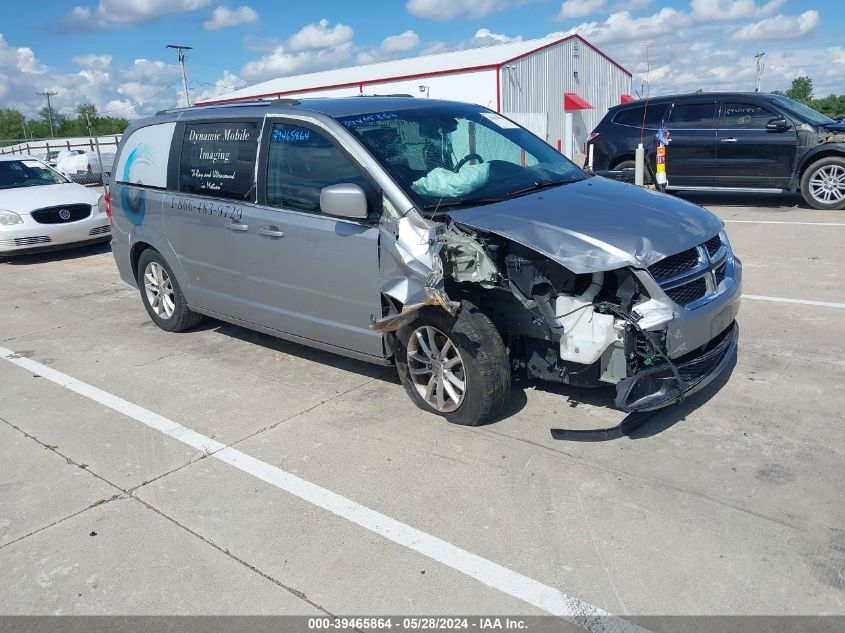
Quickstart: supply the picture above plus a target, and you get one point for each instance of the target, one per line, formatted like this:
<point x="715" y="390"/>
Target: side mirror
<point x="778" y="125"/>
<point x="345" y="200"/>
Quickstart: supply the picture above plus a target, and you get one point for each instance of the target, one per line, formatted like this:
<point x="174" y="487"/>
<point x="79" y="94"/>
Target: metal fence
<point x="83" y="159"/>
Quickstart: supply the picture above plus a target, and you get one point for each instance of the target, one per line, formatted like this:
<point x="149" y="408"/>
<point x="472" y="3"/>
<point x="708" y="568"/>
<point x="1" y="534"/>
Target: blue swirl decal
<point x="132" y="198"/>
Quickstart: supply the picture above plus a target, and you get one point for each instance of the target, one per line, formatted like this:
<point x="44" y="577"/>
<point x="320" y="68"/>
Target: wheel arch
<point x="813" y="156"/>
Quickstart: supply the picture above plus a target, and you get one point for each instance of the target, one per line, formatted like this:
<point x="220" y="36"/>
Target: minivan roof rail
<point x="234" y="104"/>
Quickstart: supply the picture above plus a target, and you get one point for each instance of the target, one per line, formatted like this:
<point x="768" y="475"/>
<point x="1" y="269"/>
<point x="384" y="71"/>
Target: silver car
<point x="439" y="237"/>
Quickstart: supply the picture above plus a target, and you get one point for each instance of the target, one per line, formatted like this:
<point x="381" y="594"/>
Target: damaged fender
<point x="409" y="255"/>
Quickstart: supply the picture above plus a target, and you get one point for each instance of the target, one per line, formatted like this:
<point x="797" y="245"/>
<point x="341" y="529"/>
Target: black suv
<point x="731" y="141"/>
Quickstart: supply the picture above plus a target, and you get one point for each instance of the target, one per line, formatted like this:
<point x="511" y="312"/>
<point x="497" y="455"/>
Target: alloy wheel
<point x="827" y="184"/>
<point x="436" y="368"/>
<point x="159" y="289"/>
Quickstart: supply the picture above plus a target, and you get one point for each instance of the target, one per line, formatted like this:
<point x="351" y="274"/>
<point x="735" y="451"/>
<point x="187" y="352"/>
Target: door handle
<point x="237" y="226"/>
<point x="729" y="140"/>
<point x="270" y="231"/>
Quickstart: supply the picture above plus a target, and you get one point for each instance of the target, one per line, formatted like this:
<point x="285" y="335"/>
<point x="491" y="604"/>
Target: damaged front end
<point x="657" y="333"/>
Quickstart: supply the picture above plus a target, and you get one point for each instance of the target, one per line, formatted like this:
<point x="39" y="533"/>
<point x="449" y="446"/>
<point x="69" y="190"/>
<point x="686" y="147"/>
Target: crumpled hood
<point x="597" y="224"/>
<point x="26" y="199"/>
<point x="836" y="126"/>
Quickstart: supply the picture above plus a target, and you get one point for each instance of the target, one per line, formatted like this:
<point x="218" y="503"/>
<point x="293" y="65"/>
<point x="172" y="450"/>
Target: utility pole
<point x="759" y="65"/>
<point x="180" y="50"/>
<point x="97" y="141"/>
<point x="48" y="94"/>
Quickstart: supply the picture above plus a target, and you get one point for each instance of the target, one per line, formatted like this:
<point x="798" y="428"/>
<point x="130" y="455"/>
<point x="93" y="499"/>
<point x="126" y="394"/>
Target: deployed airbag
<point x="440" y="182"/>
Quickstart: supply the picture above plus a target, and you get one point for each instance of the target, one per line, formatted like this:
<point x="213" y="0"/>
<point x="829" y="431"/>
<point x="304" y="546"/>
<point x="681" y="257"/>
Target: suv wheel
<point x="456" y="367"/>
<point x="823" y="184"/>
<point x="161" y="294"/>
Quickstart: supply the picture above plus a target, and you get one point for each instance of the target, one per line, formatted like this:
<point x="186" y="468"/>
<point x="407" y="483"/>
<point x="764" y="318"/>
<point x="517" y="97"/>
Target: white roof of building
<point x="437" y="63"/>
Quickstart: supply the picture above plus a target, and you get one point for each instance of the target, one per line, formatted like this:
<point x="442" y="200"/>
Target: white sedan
<point x="42" y="210"/>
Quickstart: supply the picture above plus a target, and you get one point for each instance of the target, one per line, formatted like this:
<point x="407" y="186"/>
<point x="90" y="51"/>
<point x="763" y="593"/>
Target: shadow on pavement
<point x="771" y="201"/>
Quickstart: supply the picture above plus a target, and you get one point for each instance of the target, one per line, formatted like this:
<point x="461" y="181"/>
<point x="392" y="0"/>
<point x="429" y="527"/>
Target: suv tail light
<point x="593" y="136"/>
<point x="107" y="200"/>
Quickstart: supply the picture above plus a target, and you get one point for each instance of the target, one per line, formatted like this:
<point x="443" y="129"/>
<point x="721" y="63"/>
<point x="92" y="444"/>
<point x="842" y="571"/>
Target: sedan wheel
<point x="159" y="289"/>
<point x="436" y="369"/>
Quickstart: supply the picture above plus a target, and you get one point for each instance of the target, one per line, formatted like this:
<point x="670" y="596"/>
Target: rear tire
<point x="161" y="294"/>
<point x="456" y="367"/>
<point x="823" y="184"/>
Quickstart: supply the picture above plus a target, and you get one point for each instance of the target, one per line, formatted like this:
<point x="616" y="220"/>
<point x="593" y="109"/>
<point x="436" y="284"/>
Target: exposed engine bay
<point x="586" y="329"/>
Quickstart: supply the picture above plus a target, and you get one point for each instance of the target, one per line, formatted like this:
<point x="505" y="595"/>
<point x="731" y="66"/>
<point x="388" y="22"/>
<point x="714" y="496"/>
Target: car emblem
<point x="64" y="214"/>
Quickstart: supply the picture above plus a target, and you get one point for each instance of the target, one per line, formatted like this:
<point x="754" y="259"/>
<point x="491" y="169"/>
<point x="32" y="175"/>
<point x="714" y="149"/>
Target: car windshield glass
<point x="454" y="154"/>
<point x="801" y="111"/>
<point x="27" y="173"/>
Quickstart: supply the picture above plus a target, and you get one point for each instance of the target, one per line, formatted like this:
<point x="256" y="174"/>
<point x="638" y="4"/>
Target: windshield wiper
<point x="542" y="184"/>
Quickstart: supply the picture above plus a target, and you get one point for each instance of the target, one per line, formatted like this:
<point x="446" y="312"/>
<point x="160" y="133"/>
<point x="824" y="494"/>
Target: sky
<point x="112" y="52"/>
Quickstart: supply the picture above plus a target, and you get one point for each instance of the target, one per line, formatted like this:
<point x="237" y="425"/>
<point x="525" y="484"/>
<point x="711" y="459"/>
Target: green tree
<point x="801" y="90"/>
<point x="11" y="124"/>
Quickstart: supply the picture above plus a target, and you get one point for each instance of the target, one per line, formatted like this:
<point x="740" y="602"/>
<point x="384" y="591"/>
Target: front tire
<point x="456" y="367"/>
<point x="161" y="294"/>
<point x="823" y="184"/>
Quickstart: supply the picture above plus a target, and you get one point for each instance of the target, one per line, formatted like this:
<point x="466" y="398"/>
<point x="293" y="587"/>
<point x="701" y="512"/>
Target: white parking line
<point x="506" y="580"/>
<point x="808" y="302"/>
<point x="782" y="222"/>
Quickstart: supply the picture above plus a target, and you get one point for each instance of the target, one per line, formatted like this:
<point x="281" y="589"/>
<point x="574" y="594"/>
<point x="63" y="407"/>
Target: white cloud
<point x="622" y="27"/>
<point x="400" y="43"/>
<point x="320" y="36"/>
<point x="484" y="37"/>
<point x="443" y="10"/>
<point x="731" y="10"/>
<point x="98" y="81"/>
<point x="579" y="8"/>
<point x="226" y="84"/>
<point x="92" y="61"/>
<point x="283" y="62"/>
<point x="779" y="28"/>
<point x="125" y="13"/>
<point x="222" y="17"/>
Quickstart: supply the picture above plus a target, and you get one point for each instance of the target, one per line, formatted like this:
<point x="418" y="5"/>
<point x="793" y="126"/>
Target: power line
<point x="142" y="101"/>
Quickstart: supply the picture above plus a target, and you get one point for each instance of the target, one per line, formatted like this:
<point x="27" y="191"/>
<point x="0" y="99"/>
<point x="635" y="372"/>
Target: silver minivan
<point x="440" y="237"/>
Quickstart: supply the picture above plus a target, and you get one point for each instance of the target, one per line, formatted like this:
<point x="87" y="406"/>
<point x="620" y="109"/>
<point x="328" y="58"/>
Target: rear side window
<point x="693" y="115"/>
<point x="143" y="158"/>
<point x="300" y="163"/>
<point x="218" y="159"/>
<point x="746" y="116"/>
<point x="634" y="116"/>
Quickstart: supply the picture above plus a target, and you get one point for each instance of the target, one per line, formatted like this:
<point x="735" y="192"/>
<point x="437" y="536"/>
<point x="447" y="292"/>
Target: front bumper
<point x="671" y="382"/>
<point x="32" y="236"/>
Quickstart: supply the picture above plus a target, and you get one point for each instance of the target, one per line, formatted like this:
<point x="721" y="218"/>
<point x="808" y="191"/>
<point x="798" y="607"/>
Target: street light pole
<point x="48" y="94"/>
<point x="180" y="50"/>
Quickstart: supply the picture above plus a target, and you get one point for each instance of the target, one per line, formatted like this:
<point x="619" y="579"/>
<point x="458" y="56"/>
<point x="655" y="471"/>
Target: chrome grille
<point x="61" y="214"/>
<point x="688" y="293"/>
<point x="675" y="264"/>
<point x="690" y="277"/>
<point x="713" y="245"/>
